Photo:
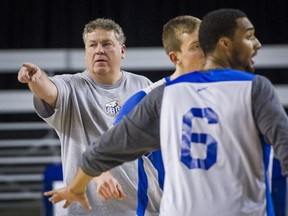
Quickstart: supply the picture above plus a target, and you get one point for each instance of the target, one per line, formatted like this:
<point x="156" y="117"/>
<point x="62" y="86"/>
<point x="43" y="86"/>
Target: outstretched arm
<point x="38" y="83"/>
<point x="75" y="191"/>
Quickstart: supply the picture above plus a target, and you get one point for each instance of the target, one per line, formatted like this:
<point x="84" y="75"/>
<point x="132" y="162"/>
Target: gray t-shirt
<point x="85" y="109"/>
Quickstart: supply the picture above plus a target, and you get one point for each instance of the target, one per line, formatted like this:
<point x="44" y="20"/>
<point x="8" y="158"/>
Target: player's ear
<point x="173" y="57"/>
<point x="224" y="42"/>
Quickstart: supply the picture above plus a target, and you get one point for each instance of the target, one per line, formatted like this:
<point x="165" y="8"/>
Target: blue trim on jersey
<point x="167" y="79"/>
<point x="156" y="159"/>
<point x="279" y="189"/>
<point x="129" y="105"/>
<point x="142" y="189"/>
<point x="215" y="75"/>
<point x="266" y="159"/>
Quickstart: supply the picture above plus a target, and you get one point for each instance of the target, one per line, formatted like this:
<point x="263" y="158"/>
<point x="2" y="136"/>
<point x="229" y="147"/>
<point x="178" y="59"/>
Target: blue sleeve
<point x="129" y="105"/>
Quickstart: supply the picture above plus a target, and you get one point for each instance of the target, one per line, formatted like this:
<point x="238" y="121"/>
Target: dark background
<point x="48" y="24"/>
<point x="59" y="23"/>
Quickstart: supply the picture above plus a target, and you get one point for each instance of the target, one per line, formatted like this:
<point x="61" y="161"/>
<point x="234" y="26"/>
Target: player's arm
<point x="75" y="191"/>
<point x="38" y="83"/>
<point x="271" y="119"/>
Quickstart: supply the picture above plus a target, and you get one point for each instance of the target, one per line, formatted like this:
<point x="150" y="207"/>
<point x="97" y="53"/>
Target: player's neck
<point x="175" y="75"/>
<point x="213" y="62"/>
<point x="178" y="73"/>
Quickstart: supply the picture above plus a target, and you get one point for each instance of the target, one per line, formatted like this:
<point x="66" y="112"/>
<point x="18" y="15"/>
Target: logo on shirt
<point x="112" y="108"/>
<point x="201" y="89"/>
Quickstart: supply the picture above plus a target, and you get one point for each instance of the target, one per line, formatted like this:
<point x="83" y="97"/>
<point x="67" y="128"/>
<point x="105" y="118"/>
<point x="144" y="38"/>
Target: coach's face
<point x="103" y="55"/>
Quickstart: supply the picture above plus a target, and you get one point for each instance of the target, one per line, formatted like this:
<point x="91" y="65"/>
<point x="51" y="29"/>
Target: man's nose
<point x="99" y="50"/>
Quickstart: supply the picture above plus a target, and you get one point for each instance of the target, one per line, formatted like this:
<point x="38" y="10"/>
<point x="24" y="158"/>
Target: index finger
<point x="50" y="193"/>
<point x="29" y="66"/>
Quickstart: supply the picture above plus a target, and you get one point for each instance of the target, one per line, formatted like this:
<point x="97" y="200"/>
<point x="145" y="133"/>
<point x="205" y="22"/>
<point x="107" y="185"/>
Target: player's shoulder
<point x="154" y="85"/>
<point x="262" y="85"/>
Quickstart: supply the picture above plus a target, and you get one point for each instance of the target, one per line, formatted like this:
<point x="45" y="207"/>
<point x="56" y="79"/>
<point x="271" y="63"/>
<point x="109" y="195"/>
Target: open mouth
<point x="252" y="60"/>
<point x="100" y="60"/>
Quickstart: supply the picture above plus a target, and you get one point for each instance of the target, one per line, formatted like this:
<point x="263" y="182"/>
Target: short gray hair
<point x="106" y="24"/>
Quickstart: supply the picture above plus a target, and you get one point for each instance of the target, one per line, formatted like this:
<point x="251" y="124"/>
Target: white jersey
<point x="203" y="144"/>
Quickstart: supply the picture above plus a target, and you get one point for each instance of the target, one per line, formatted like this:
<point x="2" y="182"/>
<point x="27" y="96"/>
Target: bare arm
<point x="75" y="191"/>
<point x="38" y="83"/>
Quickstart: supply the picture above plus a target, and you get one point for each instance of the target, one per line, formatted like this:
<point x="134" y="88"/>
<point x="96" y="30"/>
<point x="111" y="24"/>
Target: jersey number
<point x="189" y="139"/>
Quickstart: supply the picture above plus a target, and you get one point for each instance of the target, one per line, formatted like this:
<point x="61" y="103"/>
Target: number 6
<point x="189" y="138"/>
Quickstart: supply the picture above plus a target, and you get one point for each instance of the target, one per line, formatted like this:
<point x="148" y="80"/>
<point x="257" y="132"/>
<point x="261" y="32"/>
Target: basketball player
<point x="211" y="125"/>
<point x="181" y="44"/>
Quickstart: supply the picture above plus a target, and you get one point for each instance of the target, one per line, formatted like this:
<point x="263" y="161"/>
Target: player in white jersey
<point x="211" y="124"/>
<point x="180" y="41"/>
<point x="150" y="166"/>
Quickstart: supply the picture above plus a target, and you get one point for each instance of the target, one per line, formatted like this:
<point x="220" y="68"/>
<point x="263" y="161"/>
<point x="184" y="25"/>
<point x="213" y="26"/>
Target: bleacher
<point x="28" y="145"/>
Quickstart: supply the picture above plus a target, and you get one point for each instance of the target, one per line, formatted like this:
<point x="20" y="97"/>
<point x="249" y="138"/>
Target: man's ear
<point x="123" y="51"/>
<point x="173" y="57"/>
<point x="224" y="42"/>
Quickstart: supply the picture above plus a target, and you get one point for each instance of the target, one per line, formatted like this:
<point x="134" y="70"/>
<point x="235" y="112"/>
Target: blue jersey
<point x="150" y="167"/>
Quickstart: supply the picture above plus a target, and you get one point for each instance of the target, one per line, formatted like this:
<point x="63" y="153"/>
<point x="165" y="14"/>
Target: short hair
<point x="217" y="24"/>
<point x="174" y="28"/>
<point x="106" y="24"/>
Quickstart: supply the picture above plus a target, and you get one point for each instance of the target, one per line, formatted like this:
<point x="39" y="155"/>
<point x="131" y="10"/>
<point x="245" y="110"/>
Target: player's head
<point x="180" y="41"/>
<point x="229" y="34"/>
<point x="173" y="30"/>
